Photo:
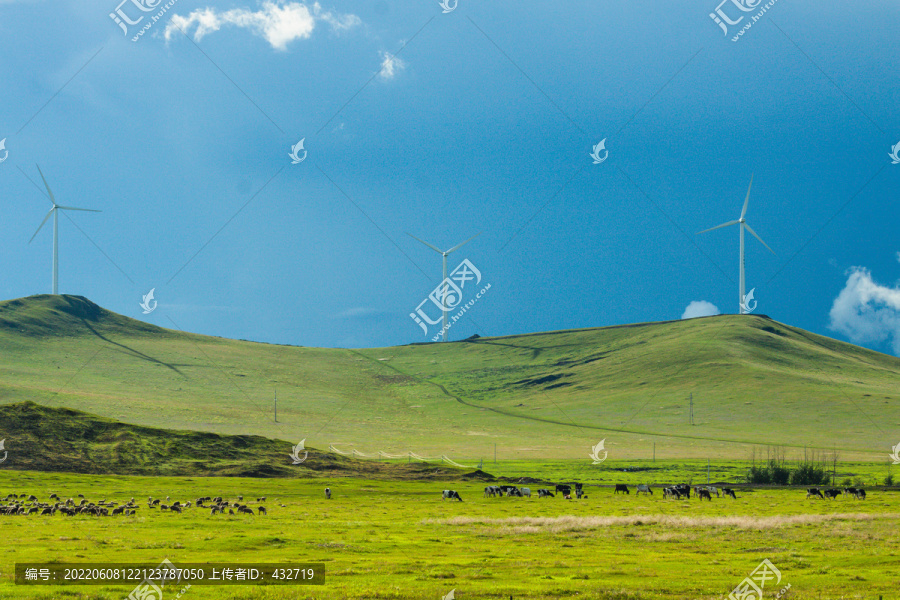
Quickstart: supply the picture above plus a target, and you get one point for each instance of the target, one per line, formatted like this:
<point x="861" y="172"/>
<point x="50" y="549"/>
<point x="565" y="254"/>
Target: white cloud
<point x="278" y="22"/>
<point x="700" y="308"/>
<point x="390" y="64"/>
<point x="867" y="312"/>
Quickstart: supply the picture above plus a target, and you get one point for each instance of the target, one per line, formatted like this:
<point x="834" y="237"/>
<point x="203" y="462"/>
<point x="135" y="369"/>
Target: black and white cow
<point x="729" y="492"/>
<point x="542" y="493"/>
<point x="832" y="493"/>
<point x="813" y="492"/>
<point x="451" y="494"/>
<point x="644" y="488"/>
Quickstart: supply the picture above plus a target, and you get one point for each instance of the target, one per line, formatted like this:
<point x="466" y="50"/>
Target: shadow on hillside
<point x="131" y="351"/>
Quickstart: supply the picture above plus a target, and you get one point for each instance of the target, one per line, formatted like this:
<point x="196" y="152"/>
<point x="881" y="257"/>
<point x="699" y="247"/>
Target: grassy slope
<point x="65" y="440"/>
<point x="544" y="395"/>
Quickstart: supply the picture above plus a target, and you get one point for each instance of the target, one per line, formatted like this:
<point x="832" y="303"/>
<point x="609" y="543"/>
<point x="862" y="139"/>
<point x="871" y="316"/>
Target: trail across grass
<point x="399" y="540"/>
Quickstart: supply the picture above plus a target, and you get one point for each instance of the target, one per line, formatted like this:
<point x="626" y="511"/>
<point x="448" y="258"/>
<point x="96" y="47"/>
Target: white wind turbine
<point x="54" y="211"/>
<point x="743" y="225"/>
<point x="444" y="253"/>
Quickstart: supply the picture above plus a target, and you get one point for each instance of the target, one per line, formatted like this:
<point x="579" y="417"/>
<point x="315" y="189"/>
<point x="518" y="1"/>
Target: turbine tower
<point x="743" y="225"/>
<point x="53" y="211"/>
<point x="444" y="253"/>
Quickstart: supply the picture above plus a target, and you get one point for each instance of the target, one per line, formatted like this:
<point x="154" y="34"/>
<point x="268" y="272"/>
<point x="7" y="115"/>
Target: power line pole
<point x="692" y="408"/>
<point x="276" y="406"/>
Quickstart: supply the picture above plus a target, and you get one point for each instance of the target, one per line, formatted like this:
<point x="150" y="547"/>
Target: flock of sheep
<point x="29" y="504"/>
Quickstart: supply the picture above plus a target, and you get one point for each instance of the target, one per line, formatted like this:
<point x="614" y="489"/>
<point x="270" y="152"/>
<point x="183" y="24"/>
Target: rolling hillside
<point x="546" y="395"/>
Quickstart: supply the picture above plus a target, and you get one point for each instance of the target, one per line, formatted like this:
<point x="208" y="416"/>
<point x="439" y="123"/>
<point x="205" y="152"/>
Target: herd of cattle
<point x="29" y="504"/>
<point x="681" y="490"/>
<point x="858" y="493"/>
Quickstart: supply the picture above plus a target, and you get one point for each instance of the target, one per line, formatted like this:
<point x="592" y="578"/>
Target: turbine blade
<point x="426" y="243"/>
<point x="73" y="208"/>
<point x="719" y="226"/>
<point x="52" y="199"/>
<point x="456" y="247"/>
<point x="747" y="199"/>
<point x="42" y="223"/>
<point x="759" y="238"/>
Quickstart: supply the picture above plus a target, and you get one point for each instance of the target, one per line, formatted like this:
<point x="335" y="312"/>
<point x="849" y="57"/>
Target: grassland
<point x="399" y="540"/>
<point x="543" y="396"/>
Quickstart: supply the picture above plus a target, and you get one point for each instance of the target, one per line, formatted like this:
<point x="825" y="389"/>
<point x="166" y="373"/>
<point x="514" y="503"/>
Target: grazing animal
<point x="567" y="497"/>
<point x="328" y="493"/>
<point x="832" y="493"/>
<point x="684" y="490"/>
<point x="213" y="510"/>
<point x="230" y="511"/>
<point x="118" y="511"/>
<point x="621" y="487"/>
<point x="704" y="493"/>
<point x="578" y="491"/>
<point x="814" y="492"/>
<point x="451" y="494"/>
<point x="525" y="492"/>
<point x="644" y="488"/>
<point x="729" y="492"/>
<point x="156" y="501"/>
<point x="850" y="491"/>
<point x="671" y="492"/>
<point x="564" y="489"/>
<point x="245" y="510"/>
<point x="241" y="498"/>
<point x="542" y="493"/>
<point x="860" y="494"/>
<point x="262" y="510"/>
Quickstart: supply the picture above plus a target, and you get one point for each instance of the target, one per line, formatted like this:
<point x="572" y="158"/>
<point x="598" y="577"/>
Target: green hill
<point x="545" y="395"/>
<point x="65" y="440"/>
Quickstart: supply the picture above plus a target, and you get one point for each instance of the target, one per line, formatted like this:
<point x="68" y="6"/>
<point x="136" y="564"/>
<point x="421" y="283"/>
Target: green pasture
<point x="382" y="539"/>
<point x="754" y="383"/>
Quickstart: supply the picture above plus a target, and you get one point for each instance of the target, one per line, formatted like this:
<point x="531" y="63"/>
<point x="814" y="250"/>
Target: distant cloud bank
<point x="867" y="312"/>
<point x="700" y="308"/>
<point x="279" y="23"/>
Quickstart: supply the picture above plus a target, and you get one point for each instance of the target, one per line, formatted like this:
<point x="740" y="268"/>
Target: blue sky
<point x="444" y="125"/>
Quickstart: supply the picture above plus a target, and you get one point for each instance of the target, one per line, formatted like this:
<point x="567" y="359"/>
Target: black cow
<point x="704" y="493"/>
<point x="562" y="488"/>
<point x="832" y="493"/>
<point x="621" y="487"/>
<point x="451" y="494"/>
<point x="684" y="489"/>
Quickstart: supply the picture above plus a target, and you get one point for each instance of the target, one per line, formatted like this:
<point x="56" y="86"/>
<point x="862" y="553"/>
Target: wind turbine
<point x="743" y="225"/>
<point x="54" y="211"/>
<point x="444" y="253"/>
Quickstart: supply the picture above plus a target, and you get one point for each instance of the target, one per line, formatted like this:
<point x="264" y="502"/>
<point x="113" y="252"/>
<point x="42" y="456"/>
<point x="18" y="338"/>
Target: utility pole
<point x="692" y="408"/>
<point x="276" y="406"/>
